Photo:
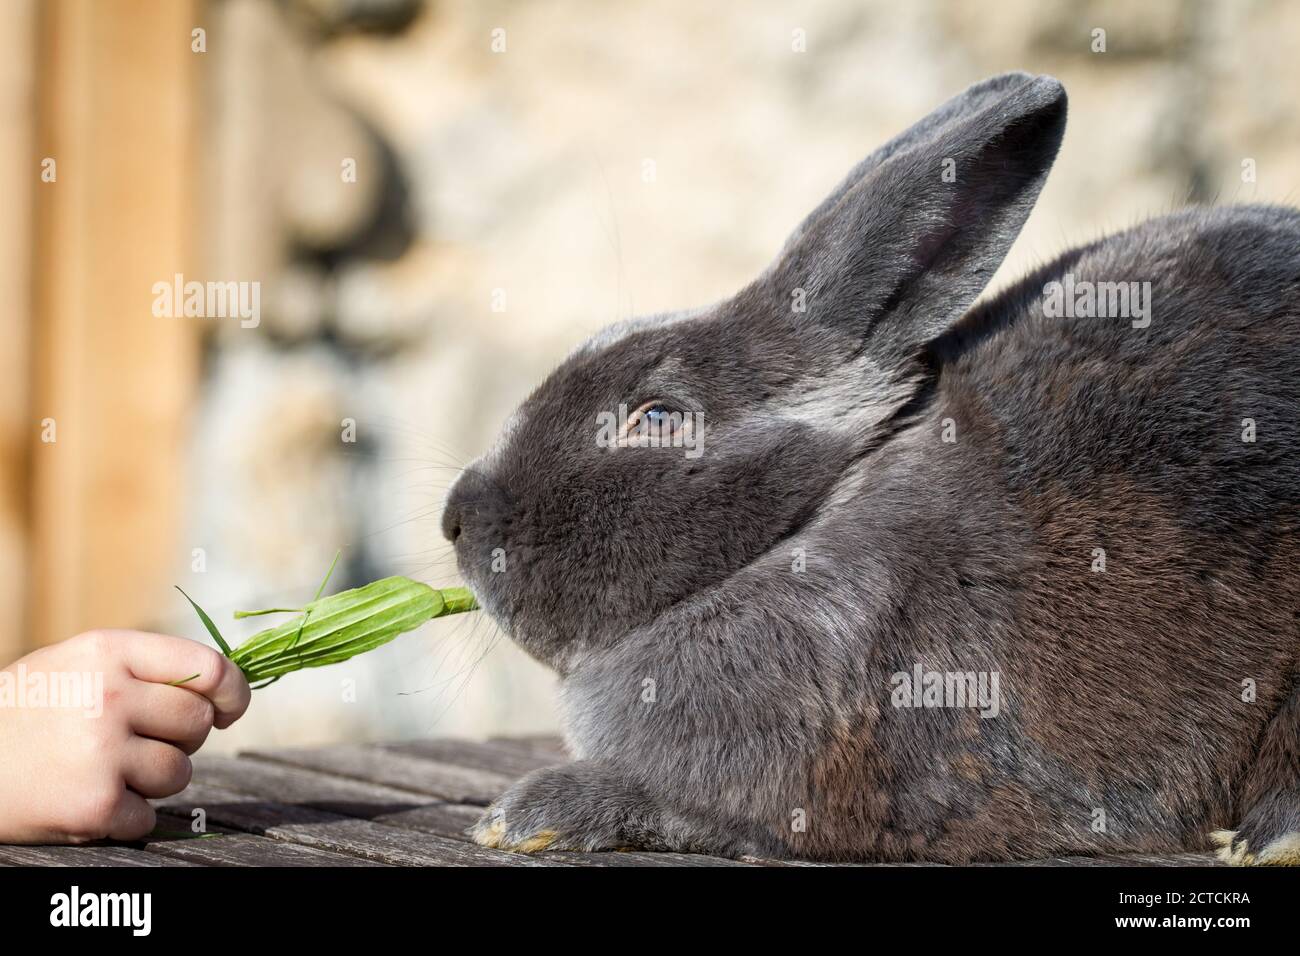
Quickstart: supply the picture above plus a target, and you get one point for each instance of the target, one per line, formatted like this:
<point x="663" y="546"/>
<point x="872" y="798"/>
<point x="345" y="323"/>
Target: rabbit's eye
<point x="653" y="419"/>
<point x="657" y="417"/>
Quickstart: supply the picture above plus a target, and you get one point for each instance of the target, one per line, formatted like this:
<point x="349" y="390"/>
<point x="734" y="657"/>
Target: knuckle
<point x="217" y="670"/>
<point x="92" y="814"/>
<point x="182" y="771"/>
<point x="135" y="824"/>
<point x="210" y="667"/>
<point x="100" y="743"/>
<point x="199" y="714"/>
<point x="146" y="823"/>
<point x="215" y="663"/>
<point x="174" y="769"/>
<point x="98" y="645"/>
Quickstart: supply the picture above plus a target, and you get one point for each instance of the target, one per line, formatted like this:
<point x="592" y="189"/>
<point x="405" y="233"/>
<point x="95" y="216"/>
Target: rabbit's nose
<point x="451" y="521"/>
<point x="454" y="511"/>
<point x="475" y="500"/>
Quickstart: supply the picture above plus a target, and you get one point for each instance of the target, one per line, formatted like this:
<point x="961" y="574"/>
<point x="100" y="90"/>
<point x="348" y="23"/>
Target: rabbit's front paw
<point x="576" y="806"/>
<point x="1268" y="834"/>
<point x="1236" y="851"/>
<point x="492" y="830"/>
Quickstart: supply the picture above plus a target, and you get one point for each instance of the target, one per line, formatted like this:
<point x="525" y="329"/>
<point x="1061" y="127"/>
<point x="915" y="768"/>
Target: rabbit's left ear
<point x="903" y="253"/>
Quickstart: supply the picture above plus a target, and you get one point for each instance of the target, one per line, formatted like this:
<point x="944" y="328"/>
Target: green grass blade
<point x="207" y="622"/>
<point x="240" y="615"/>
<point x="319" y="591"/>
<point x="328" y="574"/>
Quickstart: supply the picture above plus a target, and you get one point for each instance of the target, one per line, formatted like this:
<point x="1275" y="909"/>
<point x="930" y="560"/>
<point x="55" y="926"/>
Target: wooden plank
<point x="1107" y="860"/>
<point x="321" y="830"/>
<point x="769" y="861"/>
<point x="493" y="757"/>
<point x="225" y="847"/>
<point x="636" y="858"/>
<point x="394" y="807"/>
<point x="541" y="745"/>
<point x="83" y="856"/>
<point x="246" y="849"/>
<point x="1121" y="859"/>
<point x="338" y="795"/>
<point x="117" y="86"/>
<point x="359" y="762"/>
<point x="1163" y="859"/>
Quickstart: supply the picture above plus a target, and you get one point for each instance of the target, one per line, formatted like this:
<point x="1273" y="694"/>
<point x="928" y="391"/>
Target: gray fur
<point x="638" y="573"/>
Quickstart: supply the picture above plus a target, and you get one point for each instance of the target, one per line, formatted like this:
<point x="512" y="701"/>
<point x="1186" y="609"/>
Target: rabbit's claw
<point x="492" y="831"/>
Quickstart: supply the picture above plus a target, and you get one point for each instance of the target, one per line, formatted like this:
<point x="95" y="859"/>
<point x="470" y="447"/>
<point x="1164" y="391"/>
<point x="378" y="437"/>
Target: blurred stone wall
<point x="526" y="173"/>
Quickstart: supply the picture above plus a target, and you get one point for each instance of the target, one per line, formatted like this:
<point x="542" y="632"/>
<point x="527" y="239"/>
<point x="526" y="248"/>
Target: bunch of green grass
<point x="336" y="628"/>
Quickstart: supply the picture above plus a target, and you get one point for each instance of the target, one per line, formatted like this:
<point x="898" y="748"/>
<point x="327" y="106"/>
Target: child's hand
<point x="89" y="728"/>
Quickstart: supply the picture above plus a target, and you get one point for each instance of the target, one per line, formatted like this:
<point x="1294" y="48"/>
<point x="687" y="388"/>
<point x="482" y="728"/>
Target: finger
<point x="132" y="818"/>
<point x="161" y="659"/>
<point x="172" y="714"/>
<point x="154" y="769"/>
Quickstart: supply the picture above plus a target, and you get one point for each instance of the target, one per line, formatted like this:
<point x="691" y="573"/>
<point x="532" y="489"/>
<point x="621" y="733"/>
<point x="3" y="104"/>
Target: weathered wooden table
<point x="402" y="804"/>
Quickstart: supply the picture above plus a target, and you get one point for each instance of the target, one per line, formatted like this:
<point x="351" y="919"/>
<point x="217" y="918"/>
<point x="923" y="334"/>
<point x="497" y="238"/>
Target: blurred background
<point x="437" y="200"/>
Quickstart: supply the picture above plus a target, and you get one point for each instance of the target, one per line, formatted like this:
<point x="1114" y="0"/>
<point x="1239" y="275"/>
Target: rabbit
<point x="866" y="570"/>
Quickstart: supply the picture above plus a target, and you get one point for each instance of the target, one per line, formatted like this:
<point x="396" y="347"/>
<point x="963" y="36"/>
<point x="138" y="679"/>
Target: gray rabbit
<point x="849" y="567"/>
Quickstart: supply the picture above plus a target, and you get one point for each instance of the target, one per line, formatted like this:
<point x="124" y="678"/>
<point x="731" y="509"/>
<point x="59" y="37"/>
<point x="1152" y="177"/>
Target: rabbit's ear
<point x="903" y="247"/>
<point x="965" y="104"/>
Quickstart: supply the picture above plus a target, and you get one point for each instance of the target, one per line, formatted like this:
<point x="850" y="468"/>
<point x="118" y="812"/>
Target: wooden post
<point x="112" y="383"/>
<point x="18" y="171"/>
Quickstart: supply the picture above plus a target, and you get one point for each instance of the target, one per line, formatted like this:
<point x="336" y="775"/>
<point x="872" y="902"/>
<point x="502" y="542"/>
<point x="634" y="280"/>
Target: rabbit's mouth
<point x="538" y="637"/>
<point x="489" y="599"/>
